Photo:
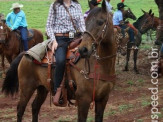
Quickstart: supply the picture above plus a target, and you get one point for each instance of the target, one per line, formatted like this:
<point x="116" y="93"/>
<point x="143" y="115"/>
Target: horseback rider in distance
<point x="16" y="20"/>
<point x="118" y="21"/>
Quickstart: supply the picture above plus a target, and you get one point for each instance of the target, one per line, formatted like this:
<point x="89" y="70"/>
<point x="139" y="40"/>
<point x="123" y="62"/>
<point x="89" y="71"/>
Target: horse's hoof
<point x="136" y="71"/>
<point x="126" y="69"/>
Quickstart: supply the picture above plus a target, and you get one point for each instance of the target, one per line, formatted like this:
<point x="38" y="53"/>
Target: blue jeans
<point x="24" y="36"/>
<point x="130" y="32"/>
<point x="60" y="55"/>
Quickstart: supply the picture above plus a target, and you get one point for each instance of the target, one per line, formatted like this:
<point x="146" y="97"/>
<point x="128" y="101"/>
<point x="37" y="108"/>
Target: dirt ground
<point x="130" y="101"/>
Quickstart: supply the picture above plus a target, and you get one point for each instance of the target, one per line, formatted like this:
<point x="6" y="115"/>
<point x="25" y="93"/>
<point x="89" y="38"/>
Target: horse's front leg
<point x="135" y="60"/>
<point x="127" y="56"/>
<point x="83" y="104"/>
<point x="99" y="109"/>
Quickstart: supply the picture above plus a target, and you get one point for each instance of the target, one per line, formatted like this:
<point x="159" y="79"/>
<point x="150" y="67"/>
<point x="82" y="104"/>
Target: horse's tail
<point x="11" y="84"/>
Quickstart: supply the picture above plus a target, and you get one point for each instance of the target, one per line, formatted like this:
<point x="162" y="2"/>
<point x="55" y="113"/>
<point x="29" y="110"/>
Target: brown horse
<point x="11" y="43"/>
<point x="98" y="47"/>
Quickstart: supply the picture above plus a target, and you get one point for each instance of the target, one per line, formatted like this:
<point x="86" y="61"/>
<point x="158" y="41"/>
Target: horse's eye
<point x="100" y="22"/>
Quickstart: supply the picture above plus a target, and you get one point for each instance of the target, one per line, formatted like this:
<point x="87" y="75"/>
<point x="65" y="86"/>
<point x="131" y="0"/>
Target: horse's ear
<point x="150" y="11"/>
<point x="143" y="11"/>
<point x="104" y="6"/>
<point x="152" y="14"/>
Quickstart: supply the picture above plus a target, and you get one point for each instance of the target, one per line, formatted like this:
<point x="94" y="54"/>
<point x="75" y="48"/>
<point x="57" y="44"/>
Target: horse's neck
<point x="125" y="15"/>
<point x="107" y="64"/>
<point x="156" y="22"/>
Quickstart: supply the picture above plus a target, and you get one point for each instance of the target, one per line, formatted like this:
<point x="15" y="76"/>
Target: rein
<point x="86" y="72"/>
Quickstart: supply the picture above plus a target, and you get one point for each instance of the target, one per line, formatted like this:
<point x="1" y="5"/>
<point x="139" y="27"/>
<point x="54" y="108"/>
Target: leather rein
<point x="94" y="51"/>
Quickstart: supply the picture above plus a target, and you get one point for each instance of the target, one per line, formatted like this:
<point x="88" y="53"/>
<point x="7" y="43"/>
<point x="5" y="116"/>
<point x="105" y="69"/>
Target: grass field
<point x="37" y="10"/>
<point x="130" y="101"/>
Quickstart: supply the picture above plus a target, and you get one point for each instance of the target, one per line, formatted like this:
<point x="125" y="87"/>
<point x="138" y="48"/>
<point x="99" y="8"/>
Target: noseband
<point x="95" y="44"/>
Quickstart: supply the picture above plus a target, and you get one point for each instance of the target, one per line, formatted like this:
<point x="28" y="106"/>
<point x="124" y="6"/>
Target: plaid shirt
<point x="60" y="22"/>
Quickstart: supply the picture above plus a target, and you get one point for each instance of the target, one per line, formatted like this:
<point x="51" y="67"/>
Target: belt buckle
<point x="71" y="34"/>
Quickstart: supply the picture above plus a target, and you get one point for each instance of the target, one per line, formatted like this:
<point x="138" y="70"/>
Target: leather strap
<point x="70" y="17"/>
<point x="62" y="34"/>
<point x="103" y="77"/>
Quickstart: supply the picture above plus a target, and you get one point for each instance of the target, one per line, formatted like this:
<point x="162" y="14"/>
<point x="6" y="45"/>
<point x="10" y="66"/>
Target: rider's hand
<point x="54" y="45"/>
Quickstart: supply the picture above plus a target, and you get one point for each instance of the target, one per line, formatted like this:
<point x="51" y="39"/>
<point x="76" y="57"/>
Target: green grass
<point x="37" y="10"/>
<point x="125" y="107"/>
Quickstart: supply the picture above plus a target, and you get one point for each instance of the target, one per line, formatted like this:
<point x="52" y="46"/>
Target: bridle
<point x="96" y="44"/>
<point x="145" y="26"/>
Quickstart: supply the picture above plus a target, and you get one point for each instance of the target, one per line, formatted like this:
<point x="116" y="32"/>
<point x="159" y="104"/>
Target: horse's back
<point x="38" y="38"/>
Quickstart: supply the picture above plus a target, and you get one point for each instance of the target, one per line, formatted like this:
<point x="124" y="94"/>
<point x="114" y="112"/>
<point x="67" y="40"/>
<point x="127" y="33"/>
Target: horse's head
<point x="99" y="30"/>
<point x="129" y="14"/>
<point x="139" y="22"/>
<point x="3" y="31"/>
<point x="148" y="22"/>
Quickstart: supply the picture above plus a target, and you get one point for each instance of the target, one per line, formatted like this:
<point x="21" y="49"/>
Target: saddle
<point x="30" y="34"/>
<point x="73" y="56"/>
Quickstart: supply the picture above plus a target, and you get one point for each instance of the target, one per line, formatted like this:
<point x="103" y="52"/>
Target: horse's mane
<point x="137" y="21"/>
<point x="93" y="12"/>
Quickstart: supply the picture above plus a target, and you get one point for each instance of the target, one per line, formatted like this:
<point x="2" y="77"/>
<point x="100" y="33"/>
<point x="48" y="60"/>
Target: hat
<point x="94" y="2"/>
<point x="16" y="5"/>
<point x="120" y="5"/>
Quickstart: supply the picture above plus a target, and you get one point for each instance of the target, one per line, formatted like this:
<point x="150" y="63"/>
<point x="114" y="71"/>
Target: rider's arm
<point x="50" y="24"/>
<point x="8" y="18"/>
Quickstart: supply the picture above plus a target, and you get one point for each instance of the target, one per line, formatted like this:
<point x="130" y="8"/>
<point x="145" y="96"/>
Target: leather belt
<point x="62" y="34"/>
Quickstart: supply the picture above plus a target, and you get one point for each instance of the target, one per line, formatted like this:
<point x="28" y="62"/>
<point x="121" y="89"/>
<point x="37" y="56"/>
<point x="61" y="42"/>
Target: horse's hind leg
<point x="135" y="60"/>
<point x="25" y="95"/>
<point x="83" y="107"/>
<point x="99" y="110"/>
<point x="39" y="100"/>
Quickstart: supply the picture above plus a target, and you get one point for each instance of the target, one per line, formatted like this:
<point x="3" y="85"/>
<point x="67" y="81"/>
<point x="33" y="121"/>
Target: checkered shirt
<point x="60" y="22"/>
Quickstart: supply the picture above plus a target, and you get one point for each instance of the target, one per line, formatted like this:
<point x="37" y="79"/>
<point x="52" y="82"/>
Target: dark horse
<point x="149" y="22"/>
<point x="135" y="51"/>
<point x="11" y="44"/>
<point x="98" y="46"/>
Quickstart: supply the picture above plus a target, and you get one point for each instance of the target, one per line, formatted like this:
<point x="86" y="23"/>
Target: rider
<point x="16" y="20"/>
<point x="92" y="4"/>
<point x="108" y="6"/>
<point x="118" y="21"/>
<point x="64" y="16"/>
